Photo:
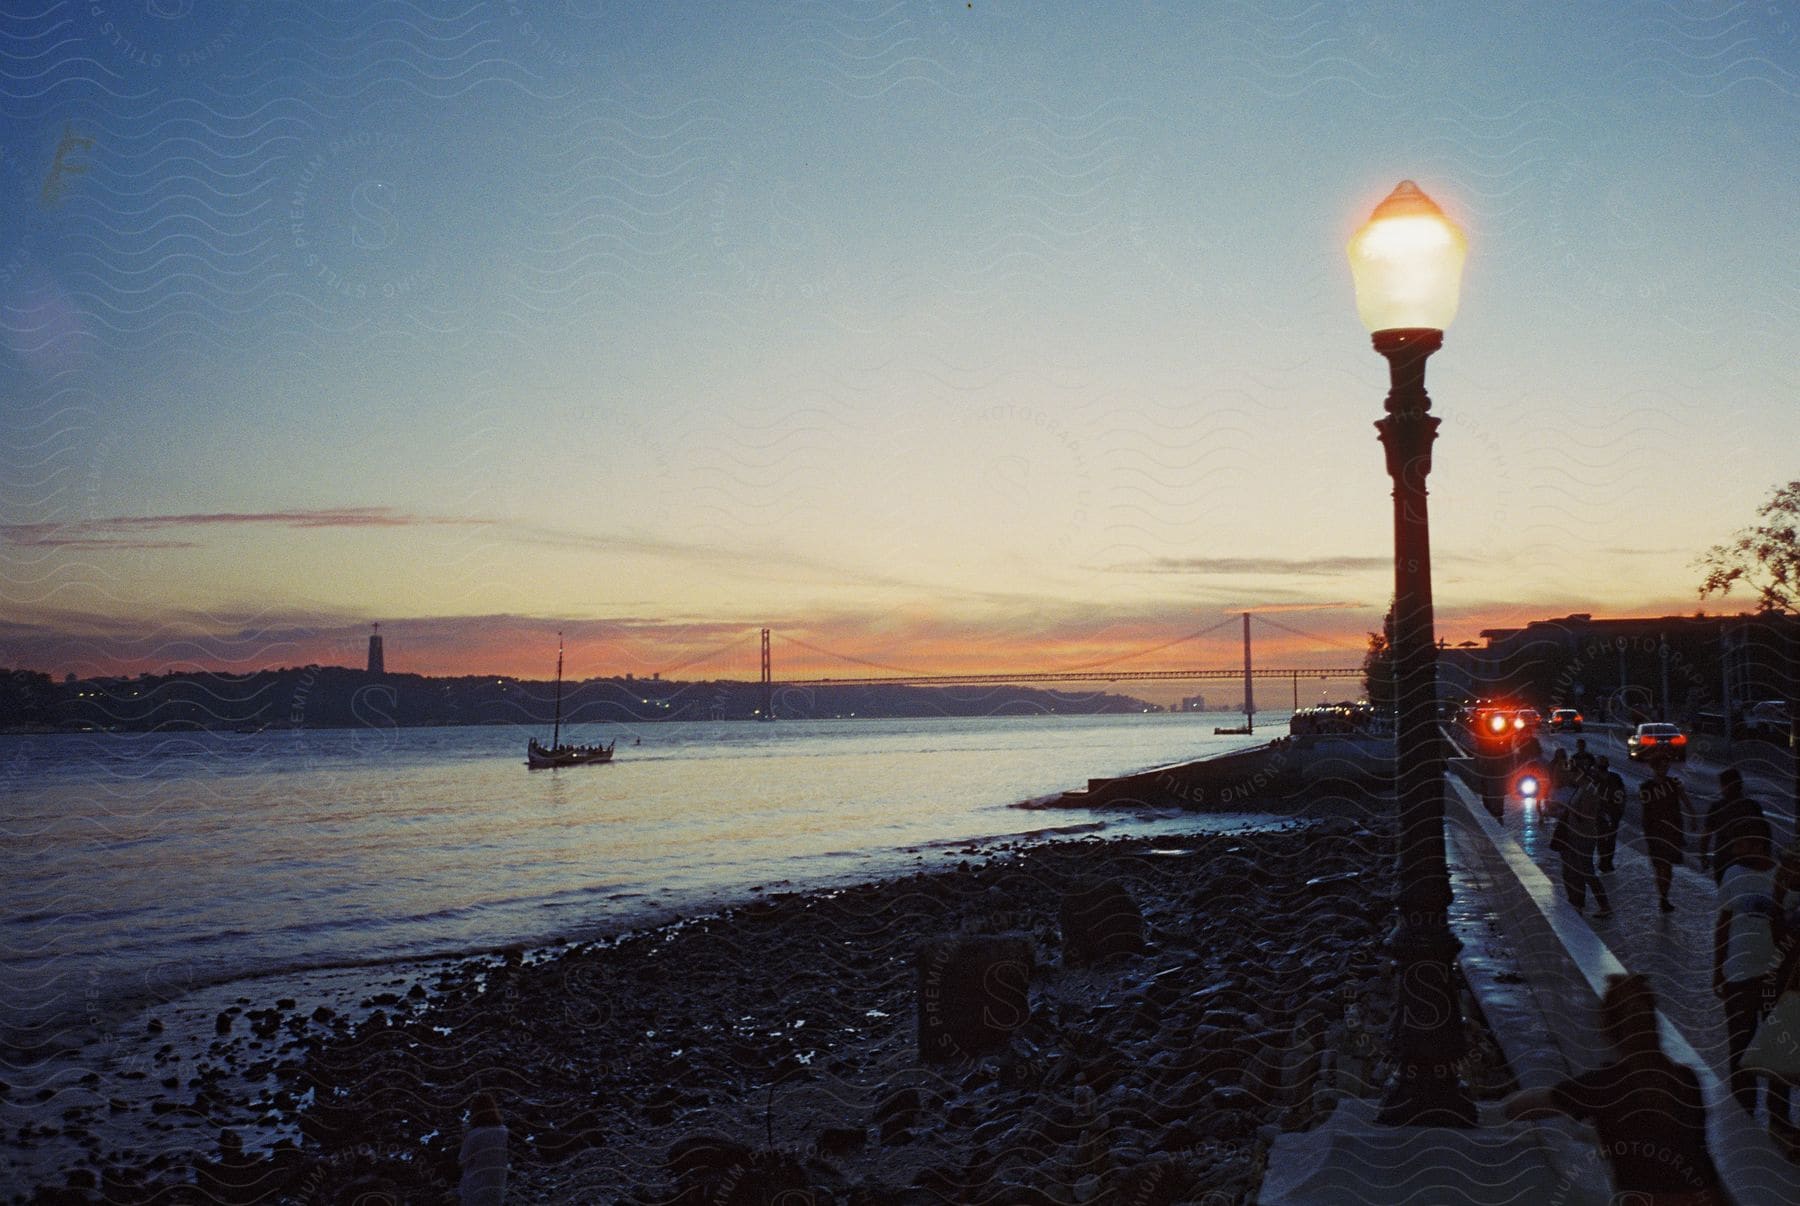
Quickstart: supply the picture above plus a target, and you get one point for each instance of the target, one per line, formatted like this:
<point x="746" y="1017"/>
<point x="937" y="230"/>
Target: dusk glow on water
<point x="157" y="860"/>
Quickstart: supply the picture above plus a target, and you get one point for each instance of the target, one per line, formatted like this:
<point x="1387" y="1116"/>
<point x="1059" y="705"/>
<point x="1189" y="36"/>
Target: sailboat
<point x="538" y="756"/>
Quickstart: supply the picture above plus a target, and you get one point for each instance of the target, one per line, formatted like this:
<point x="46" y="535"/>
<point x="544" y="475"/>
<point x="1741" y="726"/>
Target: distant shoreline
<point x="336" y="697"/>
<point x="48" y="731"/>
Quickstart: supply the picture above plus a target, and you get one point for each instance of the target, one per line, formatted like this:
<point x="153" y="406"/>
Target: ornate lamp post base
<point x="1427" y="1089"/>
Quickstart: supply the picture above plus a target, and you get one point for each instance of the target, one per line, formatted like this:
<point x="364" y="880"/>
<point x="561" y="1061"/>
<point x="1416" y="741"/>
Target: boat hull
<point x="539" y="758"/>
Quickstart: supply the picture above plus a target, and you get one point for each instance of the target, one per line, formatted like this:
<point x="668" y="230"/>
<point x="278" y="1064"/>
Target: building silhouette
<point x="1699" y="670"/>
<point x="376" y="664"/>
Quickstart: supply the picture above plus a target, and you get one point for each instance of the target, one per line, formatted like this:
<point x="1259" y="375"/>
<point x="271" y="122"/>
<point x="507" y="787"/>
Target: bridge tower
<point x="1249" y="696"/>
<point x="377" y="665"/>
<point x="768" y="696"/>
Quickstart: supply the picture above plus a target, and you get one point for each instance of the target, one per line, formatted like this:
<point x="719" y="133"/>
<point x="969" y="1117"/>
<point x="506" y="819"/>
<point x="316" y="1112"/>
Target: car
<point x="1656" y="737"/>
<point x="1471" y="712"/>
<point x="1490" y="719"/>
<point x="1768" y="719"/>
<point x="1528" y="720"/>
<point x="1565" y="720"/>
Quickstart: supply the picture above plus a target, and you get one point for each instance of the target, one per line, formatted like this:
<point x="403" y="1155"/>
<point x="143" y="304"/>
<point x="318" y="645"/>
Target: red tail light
<point x="1678" y="739"/>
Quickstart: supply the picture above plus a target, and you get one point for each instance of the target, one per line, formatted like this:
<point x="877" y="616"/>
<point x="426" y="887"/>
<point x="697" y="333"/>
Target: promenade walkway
<point x="1537" y="966"/>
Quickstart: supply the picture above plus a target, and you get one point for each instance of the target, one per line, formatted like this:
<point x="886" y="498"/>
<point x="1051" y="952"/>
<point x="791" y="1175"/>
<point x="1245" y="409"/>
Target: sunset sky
<point x="943" y="335"/>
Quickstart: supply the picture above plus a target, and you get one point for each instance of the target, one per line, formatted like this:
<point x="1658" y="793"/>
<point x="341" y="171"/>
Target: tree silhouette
<point x="1378" y="664"/>
<point x="1764" y="557"/>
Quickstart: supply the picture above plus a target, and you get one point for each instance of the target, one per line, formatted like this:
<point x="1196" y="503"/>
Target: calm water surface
<point x="140" y="864"/>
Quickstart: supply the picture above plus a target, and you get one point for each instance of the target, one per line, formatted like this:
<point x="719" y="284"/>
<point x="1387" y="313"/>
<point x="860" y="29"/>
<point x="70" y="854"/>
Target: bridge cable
<point x="1125" y="657"/>
<point x="845" y="657"/>
<point x="707" y="656"/>
<point x="1311" y="636"/>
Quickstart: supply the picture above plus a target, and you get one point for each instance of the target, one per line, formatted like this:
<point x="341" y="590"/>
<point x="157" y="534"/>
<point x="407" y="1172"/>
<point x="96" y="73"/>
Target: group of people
<point x="1755" y="959"/>
<point x="1585" y="799"/>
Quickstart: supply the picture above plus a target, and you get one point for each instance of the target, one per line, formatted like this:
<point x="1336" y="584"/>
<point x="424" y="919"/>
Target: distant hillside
<point x="336" y="697"/>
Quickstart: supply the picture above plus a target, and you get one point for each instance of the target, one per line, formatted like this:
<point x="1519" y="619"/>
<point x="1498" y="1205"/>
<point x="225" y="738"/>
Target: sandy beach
<point x="779" y="1046"/>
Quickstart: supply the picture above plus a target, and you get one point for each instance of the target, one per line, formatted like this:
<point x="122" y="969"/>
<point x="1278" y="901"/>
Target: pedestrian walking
<point x="1786" y="980"/>
<point x="1581" y="761"/>
<point x="1665" y="807"/>
<point x="1609" y="812"/>
<point x="1532" y="782"/>
<point x="1744" y="949"/>
<point x="1646" y="1108"/>
<point x="1573" y="841"/>
<point x="1731" y="806"/>
<point x="1787" y="901"/>
<point x="1775" y="1053"/>
<point x="1557" y="778"/>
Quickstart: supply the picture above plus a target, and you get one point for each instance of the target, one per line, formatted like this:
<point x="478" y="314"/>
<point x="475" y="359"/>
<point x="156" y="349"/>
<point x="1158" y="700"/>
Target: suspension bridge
<point x="1109" y="671"/>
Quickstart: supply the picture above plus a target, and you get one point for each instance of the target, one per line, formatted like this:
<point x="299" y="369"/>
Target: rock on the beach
<point x="704" y="1157"/>
<point x="585" y="1130"/>
<point x="1100" y="921"/>
<point x="712" y="1169"/>
<point x="972" y="993"/>
<point x="1161" y="1182"/>
<point x="897" y="1112"/>
<point x="834" y="1140"/>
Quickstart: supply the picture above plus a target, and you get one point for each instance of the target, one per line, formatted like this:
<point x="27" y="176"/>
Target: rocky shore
<point x="1074" y="1021"/>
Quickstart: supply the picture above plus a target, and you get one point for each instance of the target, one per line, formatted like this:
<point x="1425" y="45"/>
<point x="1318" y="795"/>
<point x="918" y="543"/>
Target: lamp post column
<point x="1428" y="1025"/>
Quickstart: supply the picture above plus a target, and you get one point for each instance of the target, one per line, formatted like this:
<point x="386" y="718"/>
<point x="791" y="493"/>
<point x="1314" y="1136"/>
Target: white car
<point x="1657" y="738"/>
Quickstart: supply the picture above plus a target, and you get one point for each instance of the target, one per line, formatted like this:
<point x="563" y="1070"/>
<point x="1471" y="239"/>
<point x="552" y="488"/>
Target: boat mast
<point x="556" y="729"/>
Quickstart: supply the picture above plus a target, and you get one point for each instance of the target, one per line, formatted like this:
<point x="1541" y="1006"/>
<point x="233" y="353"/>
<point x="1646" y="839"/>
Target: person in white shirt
<point x="483" y="1156"/>
<point x="1744" y="943"/>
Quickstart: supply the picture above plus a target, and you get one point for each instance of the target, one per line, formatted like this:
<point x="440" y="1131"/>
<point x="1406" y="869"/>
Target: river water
<point x="139" y="867"/>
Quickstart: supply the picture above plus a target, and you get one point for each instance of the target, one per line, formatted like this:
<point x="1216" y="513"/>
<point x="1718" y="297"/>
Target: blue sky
<point x="964" y="331"/>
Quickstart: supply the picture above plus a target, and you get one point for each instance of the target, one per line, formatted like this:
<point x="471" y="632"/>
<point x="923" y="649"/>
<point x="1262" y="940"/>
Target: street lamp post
<point x="1407" y="262"/>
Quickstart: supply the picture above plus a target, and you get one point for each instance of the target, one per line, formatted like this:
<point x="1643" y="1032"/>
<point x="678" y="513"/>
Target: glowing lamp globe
<point x="1407" y="261"/>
